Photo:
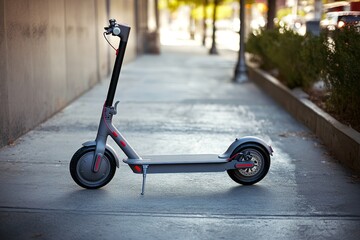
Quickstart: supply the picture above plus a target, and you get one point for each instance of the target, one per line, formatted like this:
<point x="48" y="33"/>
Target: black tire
<point x="249" y="176"/>
<point x="81" y="168"/>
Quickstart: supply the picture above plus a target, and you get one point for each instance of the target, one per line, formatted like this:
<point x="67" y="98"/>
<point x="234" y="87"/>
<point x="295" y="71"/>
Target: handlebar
<point x="119" y="30"/>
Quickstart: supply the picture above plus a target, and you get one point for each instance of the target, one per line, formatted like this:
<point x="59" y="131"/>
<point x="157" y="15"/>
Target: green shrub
<point x="342" y="73"/>
<point x="283" y="50"/>
<point x="286" y="55"/>
<point x="312" y="59"/>
<point x="259" y="45"/>
<point x="302" y="60"/>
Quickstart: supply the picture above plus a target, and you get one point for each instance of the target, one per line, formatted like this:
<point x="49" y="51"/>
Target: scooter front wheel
<point x="81" y="168"/>
<point x="260" y="159"/>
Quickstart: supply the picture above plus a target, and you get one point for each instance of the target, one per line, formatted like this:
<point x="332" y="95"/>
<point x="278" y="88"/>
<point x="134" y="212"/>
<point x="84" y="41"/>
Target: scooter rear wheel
<point x="81" y="171"/>
<point x="261" y="160"/>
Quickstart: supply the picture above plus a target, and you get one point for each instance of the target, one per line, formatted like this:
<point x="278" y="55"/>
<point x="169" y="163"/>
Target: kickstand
<point x="144" y="179"/>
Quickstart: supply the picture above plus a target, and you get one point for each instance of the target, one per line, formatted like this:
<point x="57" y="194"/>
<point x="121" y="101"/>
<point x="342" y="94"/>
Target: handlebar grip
<point x="118" y="30"/>
<point x="113" y="28"/>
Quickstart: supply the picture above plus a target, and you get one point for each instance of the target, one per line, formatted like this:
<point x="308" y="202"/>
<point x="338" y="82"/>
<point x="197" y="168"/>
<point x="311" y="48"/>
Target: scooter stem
<point x="123" y="32"/>
<point x="116" y="73"/>
<point x="105" y="127"/>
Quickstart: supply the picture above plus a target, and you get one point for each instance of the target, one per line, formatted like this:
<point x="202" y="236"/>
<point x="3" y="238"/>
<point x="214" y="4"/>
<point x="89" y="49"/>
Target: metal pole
<point x="204" y="22"/>
<point x="241" y="70"/>
<point x="213" y="49"/>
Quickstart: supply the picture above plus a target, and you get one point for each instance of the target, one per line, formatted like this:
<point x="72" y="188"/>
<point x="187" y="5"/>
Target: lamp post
<point x="213" y="49"/>
<point x="206" y="2"/>
<point x="240" y="69"/>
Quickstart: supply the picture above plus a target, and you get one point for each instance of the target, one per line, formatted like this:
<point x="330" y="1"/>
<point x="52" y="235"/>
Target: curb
<point x="341" y="140"/>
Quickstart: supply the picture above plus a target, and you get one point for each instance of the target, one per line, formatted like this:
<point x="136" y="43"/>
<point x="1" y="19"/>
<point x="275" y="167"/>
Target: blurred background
<point x="52" y="51"/>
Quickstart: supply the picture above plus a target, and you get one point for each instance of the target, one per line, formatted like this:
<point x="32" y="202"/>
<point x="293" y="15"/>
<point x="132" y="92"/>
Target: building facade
<point x="52" y="51"/>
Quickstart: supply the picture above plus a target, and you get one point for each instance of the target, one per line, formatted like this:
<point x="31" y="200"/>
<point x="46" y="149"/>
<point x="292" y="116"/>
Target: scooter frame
<point x="232" y="159"/>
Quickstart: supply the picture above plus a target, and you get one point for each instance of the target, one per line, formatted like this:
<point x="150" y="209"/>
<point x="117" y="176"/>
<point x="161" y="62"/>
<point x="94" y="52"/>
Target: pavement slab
<point x="182" y="101"/>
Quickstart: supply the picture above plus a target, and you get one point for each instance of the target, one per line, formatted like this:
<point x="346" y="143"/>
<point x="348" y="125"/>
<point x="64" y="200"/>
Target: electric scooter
<point x="247" y="159"/>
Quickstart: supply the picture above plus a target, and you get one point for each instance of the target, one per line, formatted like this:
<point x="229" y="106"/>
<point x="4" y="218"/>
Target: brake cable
<point x="109" y="42"/>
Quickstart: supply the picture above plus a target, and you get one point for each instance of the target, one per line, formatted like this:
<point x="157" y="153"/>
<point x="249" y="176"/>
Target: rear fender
<point x="246" y="140"/>
<point x="108" y="147"/>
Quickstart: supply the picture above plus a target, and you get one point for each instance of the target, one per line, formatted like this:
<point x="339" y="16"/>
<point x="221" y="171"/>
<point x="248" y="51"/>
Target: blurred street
<point x="182" y="101"/>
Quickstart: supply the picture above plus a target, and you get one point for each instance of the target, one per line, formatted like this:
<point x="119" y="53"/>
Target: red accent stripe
<point x="123" y="143"/>
<point x="230" y="159"/>
<point x="97" y="163"/>
<point x="244" y="165"/>
<point x="114" y="133"/>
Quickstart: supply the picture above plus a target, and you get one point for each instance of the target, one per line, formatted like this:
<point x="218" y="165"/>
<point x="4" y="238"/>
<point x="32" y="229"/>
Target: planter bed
<point x="343" y="141"/>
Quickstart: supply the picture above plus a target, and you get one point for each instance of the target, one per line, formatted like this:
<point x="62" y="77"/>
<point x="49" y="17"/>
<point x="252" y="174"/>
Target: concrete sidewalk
<point x="181" y="101"/>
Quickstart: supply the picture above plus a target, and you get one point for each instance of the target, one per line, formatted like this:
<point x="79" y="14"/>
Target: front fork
<point x="106" y="128"/>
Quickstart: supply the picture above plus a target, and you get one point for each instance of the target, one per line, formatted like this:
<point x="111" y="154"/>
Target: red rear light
<point x="137" y="169"/>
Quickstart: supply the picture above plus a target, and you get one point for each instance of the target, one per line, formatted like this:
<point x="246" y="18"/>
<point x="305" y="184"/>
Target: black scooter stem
<point x="120" y="53"/>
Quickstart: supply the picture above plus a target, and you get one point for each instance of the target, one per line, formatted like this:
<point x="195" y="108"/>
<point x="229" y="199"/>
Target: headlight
<point x="341" y="24"/>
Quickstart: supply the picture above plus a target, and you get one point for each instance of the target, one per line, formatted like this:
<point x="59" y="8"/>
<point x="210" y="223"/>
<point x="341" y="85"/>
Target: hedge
<point x="302" y="60"/>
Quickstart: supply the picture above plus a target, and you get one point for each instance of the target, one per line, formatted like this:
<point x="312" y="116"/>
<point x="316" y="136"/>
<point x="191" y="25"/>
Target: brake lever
<point x="108" y="30"/>
<point x="115" y="107"/>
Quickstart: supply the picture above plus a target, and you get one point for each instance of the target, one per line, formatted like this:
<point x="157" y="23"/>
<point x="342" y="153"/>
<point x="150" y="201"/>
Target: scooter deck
<point x="177" y="159"/>
<point x="180" y="163"/>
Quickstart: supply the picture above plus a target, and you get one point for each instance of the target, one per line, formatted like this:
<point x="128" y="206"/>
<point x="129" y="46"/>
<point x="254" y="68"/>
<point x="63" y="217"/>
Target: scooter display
<point x="247" y="159"/>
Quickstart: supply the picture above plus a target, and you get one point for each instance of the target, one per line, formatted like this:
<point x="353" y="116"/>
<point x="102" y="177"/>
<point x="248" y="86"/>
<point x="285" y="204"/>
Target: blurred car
<point x="337" y="20"/>
<point x="295" y="23"/>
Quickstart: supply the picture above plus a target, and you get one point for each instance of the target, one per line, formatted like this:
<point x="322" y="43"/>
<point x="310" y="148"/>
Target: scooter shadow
<point x="253" y="191"/>
<point x="244" y="189"/>
<point x="81" y="196"/>
<point x="229" y="193"/>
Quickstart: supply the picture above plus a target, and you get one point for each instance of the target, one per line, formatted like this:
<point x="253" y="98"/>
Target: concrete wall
<point x="52" y="51"/>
